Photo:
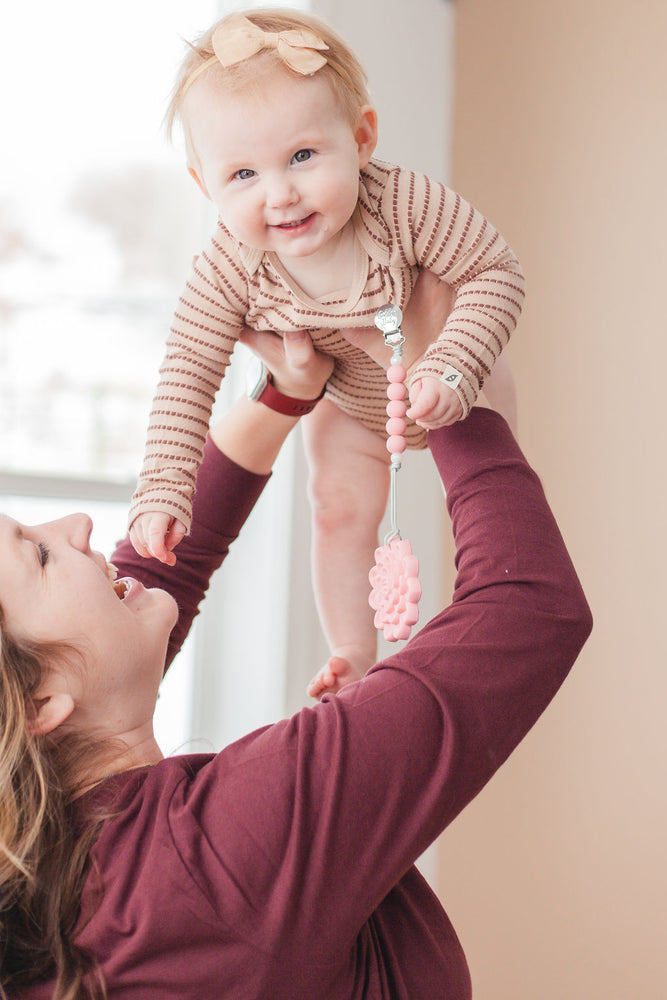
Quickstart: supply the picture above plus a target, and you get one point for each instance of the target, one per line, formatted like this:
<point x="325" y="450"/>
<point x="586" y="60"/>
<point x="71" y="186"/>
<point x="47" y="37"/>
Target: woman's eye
<point x="302" y="156"/>
<point x="43" y="553"/>
<point x="244" y="174"/>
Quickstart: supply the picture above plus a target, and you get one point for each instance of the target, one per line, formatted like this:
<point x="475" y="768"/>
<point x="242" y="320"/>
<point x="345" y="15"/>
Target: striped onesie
<point x="404" y="221"/>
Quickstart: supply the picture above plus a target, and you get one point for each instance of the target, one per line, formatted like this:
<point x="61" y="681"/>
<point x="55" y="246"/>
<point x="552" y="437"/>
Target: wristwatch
<point x="260" y="388"/>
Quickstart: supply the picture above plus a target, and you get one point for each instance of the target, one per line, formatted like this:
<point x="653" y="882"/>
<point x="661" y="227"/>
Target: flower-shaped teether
<point x="396" y="589"/>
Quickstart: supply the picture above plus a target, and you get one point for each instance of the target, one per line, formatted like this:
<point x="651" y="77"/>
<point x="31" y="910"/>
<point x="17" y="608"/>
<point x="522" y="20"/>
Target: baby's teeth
<point x="112" y="571"/>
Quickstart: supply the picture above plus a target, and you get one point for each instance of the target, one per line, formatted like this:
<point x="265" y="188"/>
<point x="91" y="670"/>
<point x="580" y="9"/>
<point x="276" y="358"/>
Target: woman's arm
<point x="238" y="455"/>
<point x="349" y="793"/>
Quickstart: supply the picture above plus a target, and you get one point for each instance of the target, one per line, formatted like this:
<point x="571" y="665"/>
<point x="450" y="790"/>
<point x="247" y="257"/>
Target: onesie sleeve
<point x="223" y="500"/>
<point x="438" y="230"/>
<point x="296" y="833"/>
<point x="206" y="325"/>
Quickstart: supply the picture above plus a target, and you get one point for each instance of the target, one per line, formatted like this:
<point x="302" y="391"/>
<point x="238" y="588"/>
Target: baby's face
<point x="281" y="166"/>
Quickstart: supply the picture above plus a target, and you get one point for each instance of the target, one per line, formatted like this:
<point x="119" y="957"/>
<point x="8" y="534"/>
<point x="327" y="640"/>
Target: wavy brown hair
<point x="44" y="857"/>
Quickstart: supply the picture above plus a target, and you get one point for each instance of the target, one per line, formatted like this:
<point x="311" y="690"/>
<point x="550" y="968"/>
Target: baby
<point x="315" y="235"/>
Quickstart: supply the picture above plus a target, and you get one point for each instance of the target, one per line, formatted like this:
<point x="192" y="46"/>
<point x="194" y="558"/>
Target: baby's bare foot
<point x="334" y="675"/>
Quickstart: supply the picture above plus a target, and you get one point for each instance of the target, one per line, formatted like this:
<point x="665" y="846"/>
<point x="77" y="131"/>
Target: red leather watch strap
<point x="288" y="405"/>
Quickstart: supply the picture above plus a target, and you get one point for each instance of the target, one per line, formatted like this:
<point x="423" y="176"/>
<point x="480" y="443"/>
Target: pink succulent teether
<point x="396" y="589"/>
<point x="394" y="578"/>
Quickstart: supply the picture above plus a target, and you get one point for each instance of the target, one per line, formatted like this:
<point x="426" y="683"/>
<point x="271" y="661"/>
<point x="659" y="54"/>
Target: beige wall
<point x="555" y="877"/>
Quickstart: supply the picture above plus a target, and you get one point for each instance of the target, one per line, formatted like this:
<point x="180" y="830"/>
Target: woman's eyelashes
<point x="44" y="553"/>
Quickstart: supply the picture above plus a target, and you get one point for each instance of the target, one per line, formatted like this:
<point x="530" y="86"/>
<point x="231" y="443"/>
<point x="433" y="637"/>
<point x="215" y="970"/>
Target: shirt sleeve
<point x="206" y="325"/>
<point x="224" y="498"/>
<point x="440" y="231"/>
<point x="297" y="832"/>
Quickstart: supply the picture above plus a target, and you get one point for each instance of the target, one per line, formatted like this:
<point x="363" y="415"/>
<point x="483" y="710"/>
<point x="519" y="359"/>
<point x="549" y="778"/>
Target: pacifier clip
<point x="394" y="579"/>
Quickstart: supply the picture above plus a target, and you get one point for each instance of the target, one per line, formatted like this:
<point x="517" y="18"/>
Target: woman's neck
<point x="125" y="753"/>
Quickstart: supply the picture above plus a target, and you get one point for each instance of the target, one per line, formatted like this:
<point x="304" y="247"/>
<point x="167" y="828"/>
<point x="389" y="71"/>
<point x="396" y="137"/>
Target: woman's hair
<point x="343" y="70"/>
<point x="43" y="856"/>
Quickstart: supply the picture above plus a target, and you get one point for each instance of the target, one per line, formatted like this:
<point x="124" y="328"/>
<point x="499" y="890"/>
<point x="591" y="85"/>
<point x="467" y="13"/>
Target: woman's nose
<point x="78" y="529"/>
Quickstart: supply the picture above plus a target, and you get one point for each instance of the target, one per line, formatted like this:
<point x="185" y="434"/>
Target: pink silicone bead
<point x="396" y="426"/>
<point x="396" y="390"/>
<point x="395" y="444"/>
<point x="396" y="408"/>
<point x="396" y="373"/>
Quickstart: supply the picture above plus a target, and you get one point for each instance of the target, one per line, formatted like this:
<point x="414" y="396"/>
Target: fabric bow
<point x="298" y="48"/>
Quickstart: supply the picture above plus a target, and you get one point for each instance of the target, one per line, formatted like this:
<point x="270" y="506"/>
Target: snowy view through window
<point x="97" y="227"/>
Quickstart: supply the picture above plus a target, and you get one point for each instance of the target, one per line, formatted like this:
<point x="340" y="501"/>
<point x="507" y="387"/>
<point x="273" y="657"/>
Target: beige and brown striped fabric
<point x="403" y="222"/>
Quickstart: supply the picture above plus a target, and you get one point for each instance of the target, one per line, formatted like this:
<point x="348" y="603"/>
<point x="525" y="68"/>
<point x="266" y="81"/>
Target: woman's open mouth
<point x="121" y="587"/>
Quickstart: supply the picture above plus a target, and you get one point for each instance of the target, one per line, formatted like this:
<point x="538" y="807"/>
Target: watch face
<point x="256" y="377"/>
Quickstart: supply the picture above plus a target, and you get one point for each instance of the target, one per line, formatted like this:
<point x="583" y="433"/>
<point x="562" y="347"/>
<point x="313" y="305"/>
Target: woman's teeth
<point x="121" y="587"/>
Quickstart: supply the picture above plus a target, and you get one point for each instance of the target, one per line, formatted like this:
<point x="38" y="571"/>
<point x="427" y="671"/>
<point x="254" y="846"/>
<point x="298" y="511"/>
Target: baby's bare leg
<point x="349" y="481"/>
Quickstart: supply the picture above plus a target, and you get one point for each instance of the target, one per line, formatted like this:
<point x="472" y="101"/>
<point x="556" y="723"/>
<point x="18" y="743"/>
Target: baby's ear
<point x="200" y="184"/>
<point x="51" y="711"/>
<point x="366" y="133"/>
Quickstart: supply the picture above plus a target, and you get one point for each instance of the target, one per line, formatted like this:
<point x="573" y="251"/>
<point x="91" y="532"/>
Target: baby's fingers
<point x="433" y="404"/>
<point x="175" y="534"/>
<point x="138" y="540"/>
<point x="424" y="399"/>
<point x="156" y="533"/>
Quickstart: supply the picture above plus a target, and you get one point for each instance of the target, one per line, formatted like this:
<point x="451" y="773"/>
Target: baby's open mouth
<point x="295" y="223"/>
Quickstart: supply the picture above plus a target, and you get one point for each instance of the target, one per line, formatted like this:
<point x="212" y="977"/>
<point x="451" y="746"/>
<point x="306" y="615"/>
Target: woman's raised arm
<point x="238" y="456"/>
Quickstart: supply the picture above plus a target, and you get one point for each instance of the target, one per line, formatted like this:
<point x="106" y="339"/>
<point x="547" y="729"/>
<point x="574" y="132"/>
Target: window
<point x="97" y="229"/>
<point x="98" y="225"/>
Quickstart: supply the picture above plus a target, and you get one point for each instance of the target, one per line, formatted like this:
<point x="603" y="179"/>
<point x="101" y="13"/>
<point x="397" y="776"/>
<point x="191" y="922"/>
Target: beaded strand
<point x="394" y="579"/>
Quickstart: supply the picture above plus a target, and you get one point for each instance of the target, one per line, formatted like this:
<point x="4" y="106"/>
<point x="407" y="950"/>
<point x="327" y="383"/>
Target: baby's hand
<point x="156" y="534"/>
<point x="433" y="404"/>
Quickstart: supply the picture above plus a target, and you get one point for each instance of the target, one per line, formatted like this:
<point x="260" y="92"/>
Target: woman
<point x="282" y="867"/>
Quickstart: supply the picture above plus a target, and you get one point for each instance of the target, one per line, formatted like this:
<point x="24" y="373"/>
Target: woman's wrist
<point x="251" y="433"/>
<point x="292" y="399"/>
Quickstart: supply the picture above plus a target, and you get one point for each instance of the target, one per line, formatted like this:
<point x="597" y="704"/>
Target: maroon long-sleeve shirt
<point x="281" y="868"/>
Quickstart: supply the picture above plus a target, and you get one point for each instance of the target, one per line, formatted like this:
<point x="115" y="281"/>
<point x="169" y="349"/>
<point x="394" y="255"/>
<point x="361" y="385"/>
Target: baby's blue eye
<point x="302" y="155"/>
<point x="244" y="174"/>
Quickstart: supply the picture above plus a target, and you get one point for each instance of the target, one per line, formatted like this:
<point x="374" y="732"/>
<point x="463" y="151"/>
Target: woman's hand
<point x="298" y="370"/>
<point x="250" y="433"/>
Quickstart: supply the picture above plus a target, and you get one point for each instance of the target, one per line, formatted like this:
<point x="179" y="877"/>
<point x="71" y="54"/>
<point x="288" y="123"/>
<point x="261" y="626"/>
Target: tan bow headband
<point x="238" y="39"/>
